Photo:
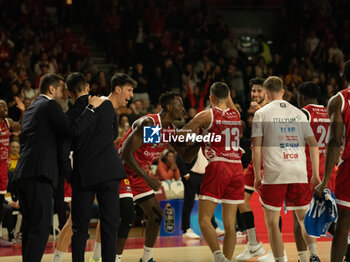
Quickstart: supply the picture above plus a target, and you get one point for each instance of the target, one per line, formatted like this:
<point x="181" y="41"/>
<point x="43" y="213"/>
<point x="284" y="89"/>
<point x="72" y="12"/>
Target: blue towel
<point x="321" y="213"/>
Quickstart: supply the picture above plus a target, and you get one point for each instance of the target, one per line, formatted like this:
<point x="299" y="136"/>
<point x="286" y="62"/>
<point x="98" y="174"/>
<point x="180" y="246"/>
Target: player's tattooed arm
<point x="336" y="132"/>
<point x="132" y="144"/>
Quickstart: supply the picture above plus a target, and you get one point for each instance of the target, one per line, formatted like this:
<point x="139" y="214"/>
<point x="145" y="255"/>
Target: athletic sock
<point x="248" y="219"/>
<point x="303" y="256"/>
<point x="279" y="259"/>
<point x="252" y="239"/>
<point x="147" y="253"/>
<point x="57" y="256"/>
<point x="97" y="252"/>
<point x="218" y="256"/>
<point x="313" y="249"/>
<point x="118" y="258"/>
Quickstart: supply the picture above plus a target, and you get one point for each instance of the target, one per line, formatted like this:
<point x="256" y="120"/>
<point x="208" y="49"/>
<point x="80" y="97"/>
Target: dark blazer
<point x="95" y="158"/>
<point x="43" y="124"/>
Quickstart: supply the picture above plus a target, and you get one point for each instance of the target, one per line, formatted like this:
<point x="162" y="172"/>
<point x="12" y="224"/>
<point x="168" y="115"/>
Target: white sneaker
<point x="251" y="251"/>
<point x="190" y="234"/>
<point x="240" y="234"/>
<point x="270" y="258"/>
<point x="219" y="231"/>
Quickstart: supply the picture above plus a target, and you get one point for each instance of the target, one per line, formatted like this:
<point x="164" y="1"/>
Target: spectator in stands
<point x="167" y="168"/>
<point x="28" y="91"/>
<point x="14" y="155"/>
<point x="123" y="125"/>
<point x="136" y="111"/>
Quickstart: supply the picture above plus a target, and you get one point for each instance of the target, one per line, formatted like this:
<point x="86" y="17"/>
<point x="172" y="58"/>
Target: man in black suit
<point x="36" y="174"/>
<point x="97" y="168"/>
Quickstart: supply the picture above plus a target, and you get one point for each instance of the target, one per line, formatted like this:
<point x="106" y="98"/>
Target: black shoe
<point x="314" y="258"/>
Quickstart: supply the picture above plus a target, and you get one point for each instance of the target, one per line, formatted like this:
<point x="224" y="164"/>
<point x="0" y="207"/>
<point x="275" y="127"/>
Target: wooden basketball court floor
<point x="169" y="249"/>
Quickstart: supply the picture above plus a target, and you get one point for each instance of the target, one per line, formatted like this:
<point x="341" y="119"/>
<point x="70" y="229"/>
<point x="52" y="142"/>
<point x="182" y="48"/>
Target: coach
<point x="97" y="169"/>
<point x="36" y="174"/>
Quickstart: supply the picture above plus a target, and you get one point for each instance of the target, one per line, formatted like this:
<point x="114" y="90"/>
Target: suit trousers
<point x="35" y="198"/>
<point x="192" y="187"/>
<point x="107" y="194"/>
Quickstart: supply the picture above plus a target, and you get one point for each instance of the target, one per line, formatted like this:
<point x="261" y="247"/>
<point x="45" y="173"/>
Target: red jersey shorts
<point x="249" y="177"/>
<point x="125" y="189"/>
<point x="67" y="192"/>
<point x="296" y="196"/>
<point x="223" y="182"/>
<point x="342" y="185"/>
<point x="139" y="187"/>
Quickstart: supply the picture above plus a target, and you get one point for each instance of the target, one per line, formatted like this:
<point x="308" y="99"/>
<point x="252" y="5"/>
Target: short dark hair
<point x="47" y="80"/>
<point x="219" y="90"/>
<point x="309" y="89"/>
<point x="120" y="79"/>
<point x="256" y="81"/>
<point x="166" y="98"/>
<point x="346" y="73"/>
<point x="273" y="84"/>
<point x="122" y="115"/>
<point x="76" y="82"/>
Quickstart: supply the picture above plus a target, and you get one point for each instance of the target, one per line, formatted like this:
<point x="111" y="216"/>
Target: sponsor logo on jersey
<point x="287" y="129"/>
<point x="290" y="156"/>
<point x="289" y="145"/>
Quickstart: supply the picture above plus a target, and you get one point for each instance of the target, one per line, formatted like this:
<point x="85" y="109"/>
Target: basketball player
<point x="339" y="113"/>
<point x="316" y="114"/>
<point x="6" y="124"/>
<point x="279" y="133"/>
<point x="254" y="248"/>
<point x="138" y="157"/>
<point x="223" y="181"/>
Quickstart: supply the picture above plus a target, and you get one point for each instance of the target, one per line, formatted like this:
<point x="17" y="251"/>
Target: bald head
<point x="3" y="109"/>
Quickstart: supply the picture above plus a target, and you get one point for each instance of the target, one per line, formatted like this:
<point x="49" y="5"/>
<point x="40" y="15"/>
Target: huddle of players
<point x="296" y="194"/>
<point x="223" y="181"/>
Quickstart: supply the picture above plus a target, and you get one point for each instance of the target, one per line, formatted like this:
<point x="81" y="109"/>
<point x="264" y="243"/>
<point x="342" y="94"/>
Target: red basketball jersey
<point x="4" y="140"/>
<point x="227" y="125"/>
<point x="148" y="152"/>
<point x="345" y="109"/>
<point x="319" y="122"/>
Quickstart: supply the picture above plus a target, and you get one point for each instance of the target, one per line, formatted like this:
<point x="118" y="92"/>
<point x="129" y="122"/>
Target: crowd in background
<point x="169" y="45"/>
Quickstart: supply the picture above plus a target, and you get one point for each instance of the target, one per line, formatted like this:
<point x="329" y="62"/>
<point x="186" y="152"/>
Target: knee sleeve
<point x="247" y="219"/>
<point x="127" y="217"/>
<point x="280" y="224"/>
